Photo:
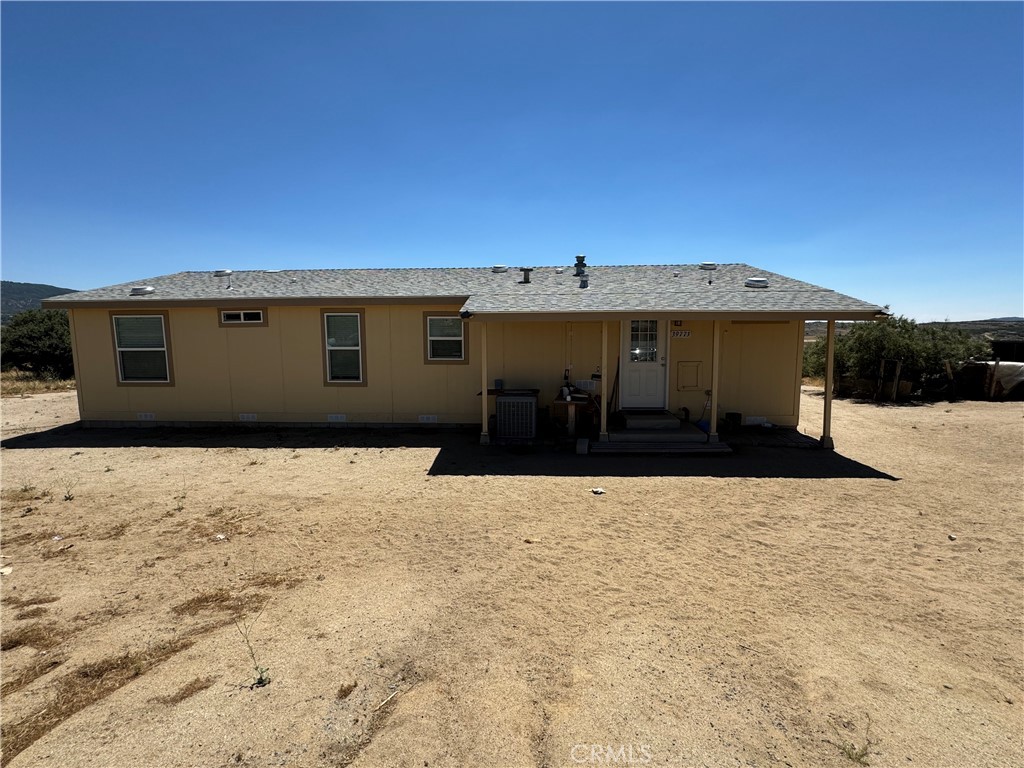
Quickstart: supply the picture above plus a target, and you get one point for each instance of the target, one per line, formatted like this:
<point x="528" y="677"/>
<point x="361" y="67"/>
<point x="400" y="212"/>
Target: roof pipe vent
<point x="142" y="290"/>
<point x="526" y="274"/>
<point x="222" y="273"/>
<point x="708" y="265"/>
<point x="756" y="282"/>
<point x="581" y="265"/>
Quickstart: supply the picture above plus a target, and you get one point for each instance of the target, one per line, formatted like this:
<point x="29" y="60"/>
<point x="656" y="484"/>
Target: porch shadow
<point x="745" y="461"/>
<point x="459" y="455"/>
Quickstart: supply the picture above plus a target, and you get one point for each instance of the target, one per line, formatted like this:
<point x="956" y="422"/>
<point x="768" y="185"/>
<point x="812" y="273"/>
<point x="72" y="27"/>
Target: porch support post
<point x="485" y="411"/>
<point x="716" y="354"/>
<point x="605" y="383"/>
<point x="830" y="351"/>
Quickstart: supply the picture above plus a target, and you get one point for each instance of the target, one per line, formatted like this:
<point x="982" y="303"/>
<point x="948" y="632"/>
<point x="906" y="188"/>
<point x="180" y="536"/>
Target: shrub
<point x="923" y="351"/>
<point x="38" y="340"/>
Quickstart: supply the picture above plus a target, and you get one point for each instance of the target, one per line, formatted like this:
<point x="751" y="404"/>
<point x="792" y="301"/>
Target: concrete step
<point x="692" y="435"/>
<point x="662" y="420"/>
<point x="675" y="448"/>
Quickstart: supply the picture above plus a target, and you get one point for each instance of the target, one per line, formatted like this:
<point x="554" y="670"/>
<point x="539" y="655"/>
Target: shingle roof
<point x="666" y="288"/>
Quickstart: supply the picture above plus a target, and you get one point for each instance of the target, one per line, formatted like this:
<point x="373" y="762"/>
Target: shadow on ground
<point x="458" y="453"/>
<point x="905" y="403"/>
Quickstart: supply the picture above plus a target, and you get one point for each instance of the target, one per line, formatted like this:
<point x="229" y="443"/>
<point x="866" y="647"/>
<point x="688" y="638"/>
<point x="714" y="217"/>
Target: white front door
<point x="643" y="364"/>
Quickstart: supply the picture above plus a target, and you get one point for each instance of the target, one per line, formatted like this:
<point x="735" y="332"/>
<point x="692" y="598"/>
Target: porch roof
<point x="682" y="288"/>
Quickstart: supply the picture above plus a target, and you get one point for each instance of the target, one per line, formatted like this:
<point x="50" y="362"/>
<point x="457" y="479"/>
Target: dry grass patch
<point x="31" y="613"/>
<point x="40" y="665"/>
<point x="23" y="538"/>
<point x="24" y="492"/>
<point x="189" y="689"/>
<point x="59" y="551"/>
<point x="114" y="532"/>
<point x="231" y="523"/>
<point x="81" y="688"/>
<point x="218" y="600"/>
<point x="273" y="580"/>
<point x="40" y="636"/>
<point x="15" y="383"/>
<point x="25" y="602"/>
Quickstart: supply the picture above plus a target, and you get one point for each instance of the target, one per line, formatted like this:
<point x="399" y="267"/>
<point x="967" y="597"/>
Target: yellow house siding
<point x="759" y="368"/>
<point x="95" y="367"/>
<point x="535" y="354"/>
<point x="418" y="388"/>
<point x="695" y="348"/>
<point x="276" y="371"/>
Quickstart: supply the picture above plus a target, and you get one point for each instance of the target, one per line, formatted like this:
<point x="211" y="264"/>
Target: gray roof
<point x="621" y="289"/>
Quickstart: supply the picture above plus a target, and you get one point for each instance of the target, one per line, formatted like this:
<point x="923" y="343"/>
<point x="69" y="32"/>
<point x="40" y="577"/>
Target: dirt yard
<point x="419" y="601"/>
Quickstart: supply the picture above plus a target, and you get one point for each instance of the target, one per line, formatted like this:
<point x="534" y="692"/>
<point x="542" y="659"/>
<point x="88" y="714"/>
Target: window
<point x="140" y="342"/>
<point x="445" y="338"/>
<point x="643" y="341"/>
<point x="344" y="347"/>
<point x="242" y="317"/>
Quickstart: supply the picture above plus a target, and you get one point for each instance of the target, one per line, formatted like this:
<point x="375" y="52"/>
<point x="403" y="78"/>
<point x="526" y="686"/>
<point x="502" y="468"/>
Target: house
<point x="415" y="346"/>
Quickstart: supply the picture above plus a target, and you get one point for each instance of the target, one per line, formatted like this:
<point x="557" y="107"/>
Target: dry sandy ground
<point x="756" y="609"/>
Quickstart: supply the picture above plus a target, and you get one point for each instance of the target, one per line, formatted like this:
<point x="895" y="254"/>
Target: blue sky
<point x="871" y="148"/>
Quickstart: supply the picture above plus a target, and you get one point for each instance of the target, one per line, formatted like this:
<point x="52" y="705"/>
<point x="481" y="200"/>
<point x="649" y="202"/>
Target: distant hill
<point x="995" y="328"/>
<point x="17" y="297"/>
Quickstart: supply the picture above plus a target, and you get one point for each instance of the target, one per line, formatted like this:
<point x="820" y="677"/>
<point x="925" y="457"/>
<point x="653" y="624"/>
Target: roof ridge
<point x="488" y="267"/>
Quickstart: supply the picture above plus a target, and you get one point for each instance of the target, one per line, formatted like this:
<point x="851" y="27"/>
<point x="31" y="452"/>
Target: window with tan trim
<point x="444" y="338"/>
<point x="140" y="344"/>
<point x="243" y="317"/>
<point x="343" y="341"/>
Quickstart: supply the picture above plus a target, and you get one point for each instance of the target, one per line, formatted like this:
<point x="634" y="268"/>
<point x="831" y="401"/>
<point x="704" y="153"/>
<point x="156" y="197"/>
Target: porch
<point x="649" y="383"/>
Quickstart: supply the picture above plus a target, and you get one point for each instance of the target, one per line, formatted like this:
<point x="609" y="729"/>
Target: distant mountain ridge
<point x="17" y="297"/>
<point x="993" y="328"/>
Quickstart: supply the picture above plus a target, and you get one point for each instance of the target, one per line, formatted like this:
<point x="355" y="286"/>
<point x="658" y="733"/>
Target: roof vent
<point x="142" y="290"/>
<point x="581" y="265"/>
<point x="499" y="269"/>
<point x="708" y="265"/>
<point x="559" y="270"/>
<point x="526" y="274"/>
<point x="756" y="282"/>
<point x="222" y="273"/>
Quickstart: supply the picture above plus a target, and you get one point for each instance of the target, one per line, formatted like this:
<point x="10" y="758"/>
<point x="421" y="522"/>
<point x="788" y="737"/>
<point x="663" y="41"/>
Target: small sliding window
<point x="243" y="317"/>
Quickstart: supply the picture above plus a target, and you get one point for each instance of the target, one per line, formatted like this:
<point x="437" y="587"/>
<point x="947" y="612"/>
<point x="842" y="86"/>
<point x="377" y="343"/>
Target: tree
<point x="922" y="351"/>
<point x="38" y="340"/>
